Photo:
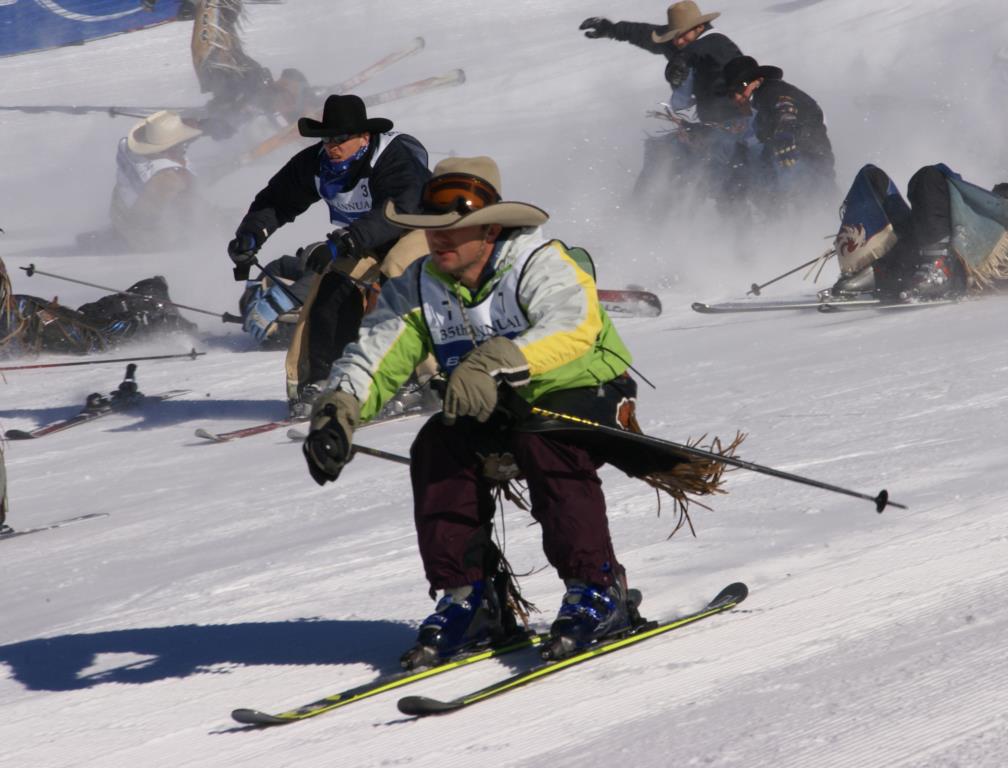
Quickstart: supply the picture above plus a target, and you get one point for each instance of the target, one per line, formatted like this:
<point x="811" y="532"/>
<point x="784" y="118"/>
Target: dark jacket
<point x="785" y="113"/>
<point x="399" y="175"/>
<point x="706" y="56"/>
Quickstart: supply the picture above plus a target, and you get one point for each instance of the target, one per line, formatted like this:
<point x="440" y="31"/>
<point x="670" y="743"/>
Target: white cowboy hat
<point x="475" y="177"/>
<point x="682" y="17"/>
<point x="159" y="132"/>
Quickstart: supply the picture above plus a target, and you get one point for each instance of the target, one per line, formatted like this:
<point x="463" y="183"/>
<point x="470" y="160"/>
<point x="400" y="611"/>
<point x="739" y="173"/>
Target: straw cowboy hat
<point x="682" y="17"/>
<point x="456" y="180"/>
<point x="159" y="132"/>
<point x="343" y="115"/>
<point x="742" y="70"/>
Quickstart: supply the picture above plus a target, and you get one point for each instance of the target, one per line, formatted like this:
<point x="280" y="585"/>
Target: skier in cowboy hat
<point x="497" y="302"/>
<point x="797" y="158"/>
<point x="703" y="144"/>
<point x="154" y="198"/>
<point x="695" y="58"/>
<point x="357" y="166"/>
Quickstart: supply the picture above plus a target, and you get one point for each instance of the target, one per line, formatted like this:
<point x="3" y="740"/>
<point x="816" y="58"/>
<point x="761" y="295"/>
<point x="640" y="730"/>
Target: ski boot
<point x="852" y="286"/>
<point x="465" y="618"/>
<point x="300" y="409"/>
<point x="938" y="275"/>
<point x="96" y="402"/>
<point x="5" y="529"/>
<point x="590" y="613"/>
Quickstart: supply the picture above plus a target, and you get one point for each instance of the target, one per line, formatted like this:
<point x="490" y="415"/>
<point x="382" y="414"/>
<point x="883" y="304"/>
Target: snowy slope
<point x="224" y="577"/>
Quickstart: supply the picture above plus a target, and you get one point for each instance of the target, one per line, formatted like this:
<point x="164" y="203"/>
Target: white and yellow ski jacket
<point x="537" y="296"/>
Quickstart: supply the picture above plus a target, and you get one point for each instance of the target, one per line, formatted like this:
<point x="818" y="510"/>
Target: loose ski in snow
<point x="454" y="77"/>
<point x="629" y="301"/>
<point x="126" y="397"/>
<point x="11" y="534"/>
<point x="381" y="685"/>
<point x="294" y="434"/>
<point x="421" y="706"/>
<point x="234" y="434"/>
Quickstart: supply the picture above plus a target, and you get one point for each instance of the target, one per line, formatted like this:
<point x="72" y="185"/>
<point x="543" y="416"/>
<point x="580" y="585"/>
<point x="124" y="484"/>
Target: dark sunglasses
<point x="338" y="139"/>
<point x="459" y="193"/>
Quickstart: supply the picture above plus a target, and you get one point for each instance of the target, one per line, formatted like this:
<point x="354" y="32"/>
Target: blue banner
<point x="32" y="25"/>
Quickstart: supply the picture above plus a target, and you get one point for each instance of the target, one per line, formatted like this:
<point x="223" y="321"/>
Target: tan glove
<point x="472" y="386"/>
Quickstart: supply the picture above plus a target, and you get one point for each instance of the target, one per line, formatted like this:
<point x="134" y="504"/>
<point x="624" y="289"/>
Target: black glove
<point x="596" y="26"/>
<point x="340" y="243"/>
<point x="327" y="447"/>
<point x="243" y="249"/>
<point x="677" y="70"/>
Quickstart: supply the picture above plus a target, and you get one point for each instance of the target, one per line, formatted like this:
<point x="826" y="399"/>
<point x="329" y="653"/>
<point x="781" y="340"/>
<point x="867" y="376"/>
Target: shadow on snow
<point x="63" y="663"/>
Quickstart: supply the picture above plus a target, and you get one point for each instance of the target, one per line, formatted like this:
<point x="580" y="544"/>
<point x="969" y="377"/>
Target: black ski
<point x="382" y="684"/>
<point x="127" y="396"/>
<point x="9" y="533"/>
<point x="762" y="305"/>
<point x="840" y="306"/>
<point x="421" y="706"/>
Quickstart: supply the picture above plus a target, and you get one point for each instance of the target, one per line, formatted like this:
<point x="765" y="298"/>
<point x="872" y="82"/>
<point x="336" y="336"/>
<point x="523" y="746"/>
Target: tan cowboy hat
<point x="159" y="132"/>
<point x="682" y="17"/>
<point x="477" y="178"/>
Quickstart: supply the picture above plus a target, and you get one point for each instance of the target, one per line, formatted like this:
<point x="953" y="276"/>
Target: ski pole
<point x="277" y="282"/>
<point x="30" y="270"/>
<point x="755" y="289"/>
<point x="290" y="294"/>
<point x="394" y="457"/>
<point x="881" y="500"/>
<point x="192" y="355"/>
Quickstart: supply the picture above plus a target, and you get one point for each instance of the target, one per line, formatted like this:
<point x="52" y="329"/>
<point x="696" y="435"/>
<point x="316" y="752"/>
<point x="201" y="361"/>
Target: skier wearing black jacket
<point x="702" y="149"/>
<point x="690" y="53"/>
<point x="797" y="154"/>
<point x="359" y="165"/>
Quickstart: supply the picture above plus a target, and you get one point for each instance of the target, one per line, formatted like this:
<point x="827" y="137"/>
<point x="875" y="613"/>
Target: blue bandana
<point x="334" y="176"/>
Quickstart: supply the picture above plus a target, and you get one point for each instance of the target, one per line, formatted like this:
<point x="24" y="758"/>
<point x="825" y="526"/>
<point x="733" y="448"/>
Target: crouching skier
<point x="496" y="302"/>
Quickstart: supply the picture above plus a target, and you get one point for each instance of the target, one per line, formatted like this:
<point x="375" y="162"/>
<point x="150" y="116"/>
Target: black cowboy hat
<point x="343" y="114"/>
<point x="742" y="70"/>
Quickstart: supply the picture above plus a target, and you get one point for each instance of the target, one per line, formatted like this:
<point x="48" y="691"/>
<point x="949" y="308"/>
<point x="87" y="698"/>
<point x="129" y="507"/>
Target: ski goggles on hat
<point x="459" y="193"/>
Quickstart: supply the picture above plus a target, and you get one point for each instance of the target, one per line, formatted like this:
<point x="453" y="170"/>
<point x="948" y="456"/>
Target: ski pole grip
<point x="29" y="270"/>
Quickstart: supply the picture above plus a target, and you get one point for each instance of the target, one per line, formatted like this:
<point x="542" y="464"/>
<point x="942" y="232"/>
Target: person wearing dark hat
<point x="704" y="142"/>
<point x="790" y="126"/>
<point x="494" y="300"/>
<point x="950" y="238"/>
<point x="155" y="200"/>
<point x="358" y="166"/>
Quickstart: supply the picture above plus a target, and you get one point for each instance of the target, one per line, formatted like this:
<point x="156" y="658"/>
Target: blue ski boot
<point x="588" y="614"/>
<point x="465" y="618"/>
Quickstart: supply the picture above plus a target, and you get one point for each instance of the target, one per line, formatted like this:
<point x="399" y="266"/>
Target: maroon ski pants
<point x="453" y="505"/>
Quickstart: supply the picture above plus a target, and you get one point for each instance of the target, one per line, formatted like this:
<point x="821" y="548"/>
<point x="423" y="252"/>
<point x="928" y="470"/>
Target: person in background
<point x="155" y="199"/>
<point x="796" y="161"/>
<point x="358" y="166"/>
<point x="950" y="238"/>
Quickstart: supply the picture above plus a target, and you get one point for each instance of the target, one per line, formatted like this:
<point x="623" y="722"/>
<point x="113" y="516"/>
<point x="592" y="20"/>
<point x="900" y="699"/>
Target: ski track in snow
<point x="224" y="577"/>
